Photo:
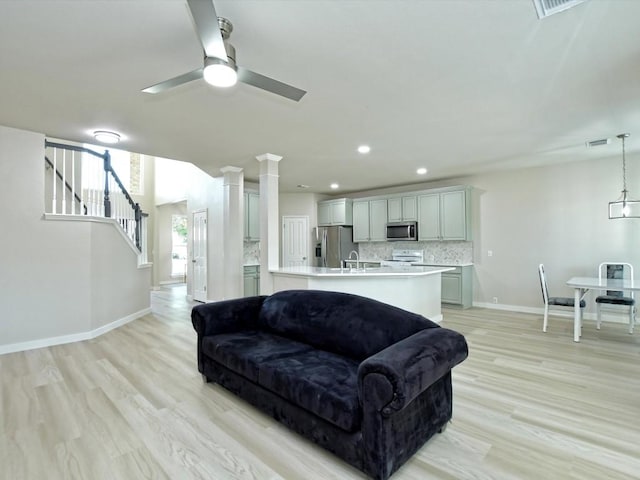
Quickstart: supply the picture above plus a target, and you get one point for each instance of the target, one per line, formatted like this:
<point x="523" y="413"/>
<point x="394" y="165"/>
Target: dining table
<point x="582" y="285"/>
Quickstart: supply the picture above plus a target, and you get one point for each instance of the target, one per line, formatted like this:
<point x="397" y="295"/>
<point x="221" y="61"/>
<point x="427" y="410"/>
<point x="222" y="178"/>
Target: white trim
<point x="176" y="281"/>
<point x="89" y="218"/>
<point x="567" y="313"/>
<point x="74" y="337"/>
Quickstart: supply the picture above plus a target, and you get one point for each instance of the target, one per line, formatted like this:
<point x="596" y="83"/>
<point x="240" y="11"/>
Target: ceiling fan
<point x="220" y="67"/>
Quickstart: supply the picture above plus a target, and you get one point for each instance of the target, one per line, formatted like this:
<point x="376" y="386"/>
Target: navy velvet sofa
<point x="365" y="380"/>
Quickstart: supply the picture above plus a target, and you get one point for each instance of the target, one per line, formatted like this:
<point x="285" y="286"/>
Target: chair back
<point x="615" y="270"/>
<point x="543" y="284"/>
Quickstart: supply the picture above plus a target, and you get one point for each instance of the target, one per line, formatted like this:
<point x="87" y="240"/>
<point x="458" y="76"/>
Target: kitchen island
<point x="417" y="289"/>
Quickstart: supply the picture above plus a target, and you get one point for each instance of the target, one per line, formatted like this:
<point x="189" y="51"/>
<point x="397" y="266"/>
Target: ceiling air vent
<point x="597" y="143"/>
<point x="549" y="7"/>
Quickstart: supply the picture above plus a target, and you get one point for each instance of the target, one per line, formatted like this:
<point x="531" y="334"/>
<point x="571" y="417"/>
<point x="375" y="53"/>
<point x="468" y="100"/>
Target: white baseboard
<point x="566" y="313"/>
<point x="74" y="337"/>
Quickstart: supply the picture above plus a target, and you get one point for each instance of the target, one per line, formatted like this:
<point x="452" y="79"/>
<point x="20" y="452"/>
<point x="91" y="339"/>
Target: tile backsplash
<point x="443" y="253"/>
<point x="251" y="253"/>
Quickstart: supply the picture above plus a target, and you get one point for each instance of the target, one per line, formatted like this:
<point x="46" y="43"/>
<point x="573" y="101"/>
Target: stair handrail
<point x="106" y="157"/>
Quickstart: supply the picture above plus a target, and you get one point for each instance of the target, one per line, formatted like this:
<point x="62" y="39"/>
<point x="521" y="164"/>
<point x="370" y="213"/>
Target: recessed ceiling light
<point x="421" y="171"/>
<point x="105" y="136"/>
<point x="364" y="149"/>
<point x="334" y="186"/>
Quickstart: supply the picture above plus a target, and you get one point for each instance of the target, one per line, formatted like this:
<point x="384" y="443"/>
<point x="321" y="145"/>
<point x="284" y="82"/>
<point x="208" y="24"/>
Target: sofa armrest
<point x="226" y="316"/>
<point x="393" y="377"/>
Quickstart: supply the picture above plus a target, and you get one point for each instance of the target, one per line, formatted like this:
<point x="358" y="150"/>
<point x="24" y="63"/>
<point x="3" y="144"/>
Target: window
<point x="178" y="245"/>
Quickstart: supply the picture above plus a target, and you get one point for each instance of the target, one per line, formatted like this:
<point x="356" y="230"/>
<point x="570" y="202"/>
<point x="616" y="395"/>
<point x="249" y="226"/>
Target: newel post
<point x="138" y="219"/>
<point x="107" y="169"/>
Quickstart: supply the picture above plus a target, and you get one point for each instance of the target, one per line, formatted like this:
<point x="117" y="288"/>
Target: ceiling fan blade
<point x="269" y="84"/>
<point x="206" y="20"/>
<point x="175" y="81"/>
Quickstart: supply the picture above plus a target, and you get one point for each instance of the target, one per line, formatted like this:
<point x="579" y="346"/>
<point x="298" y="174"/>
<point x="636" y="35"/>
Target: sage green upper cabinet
<point x="251" y="217"/>
<point x="444" y="216"/>
<point x="369" y="220"/>
<point x="429" y="217"/>
<point x="402" y="209"/>
<point x="360" y="221"/>
<point x="335" y="212"/>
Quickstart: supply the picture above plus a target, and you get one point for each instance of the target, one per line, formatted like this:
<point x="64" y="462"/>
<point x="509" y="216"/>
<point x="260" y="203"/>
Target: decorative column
<point x="232" y="231"/>
<point x="269" y="220"/>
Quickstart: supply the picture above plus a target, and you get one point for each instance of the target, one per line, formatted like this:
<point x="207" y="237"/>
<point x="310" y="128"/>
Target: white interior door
<point x="199" y="260"/>
<point x="295" y="241"/>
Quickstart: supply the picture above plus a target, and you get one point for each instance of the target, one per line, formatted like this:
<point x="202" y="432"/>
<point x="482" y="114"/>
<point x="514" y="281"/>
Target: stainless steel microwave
<point x="402" y="231"/>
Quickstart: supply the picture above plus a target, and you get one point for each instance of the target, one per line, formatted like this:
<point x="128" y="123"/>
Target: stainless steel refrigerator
<point x="333" y="245"/>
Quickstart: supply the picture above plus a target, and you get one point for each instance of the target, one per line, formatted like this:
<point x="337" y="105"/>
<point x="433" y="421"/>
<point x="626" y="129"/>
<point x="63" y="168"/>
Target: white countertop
<point x="435" y="264"/>
<point x="362" y="272"/>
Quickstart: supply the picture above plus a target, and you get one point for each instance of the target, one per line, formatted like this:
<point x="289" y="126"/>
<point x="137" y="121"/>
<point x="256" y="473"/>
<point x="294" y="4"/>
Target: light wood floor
<point x="131" y="405"/>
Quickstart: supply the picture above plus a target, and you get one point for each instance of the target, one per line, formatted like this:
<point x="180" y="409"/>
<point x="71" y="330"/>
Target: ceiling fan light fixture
<point x="105" y="136"/>
<point x="219" y="73"/>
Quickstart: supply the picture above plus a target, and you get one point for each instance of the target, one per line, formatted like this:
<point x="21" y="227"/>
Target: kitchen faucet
<point x="357" y="259"/>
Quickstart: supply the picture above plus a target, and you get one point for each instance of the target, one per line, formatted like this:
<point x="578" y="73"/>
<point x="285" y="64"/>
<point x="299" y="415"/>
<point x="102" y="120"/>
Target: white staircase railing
<point x="83" y="182"/>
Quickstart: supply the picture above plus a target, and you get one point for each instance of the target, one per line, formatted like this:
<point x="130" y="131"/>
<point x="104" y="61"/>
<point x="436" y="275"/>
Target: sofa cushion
<point x="349" y="325"/>
<point x="321" y="382"/>
<point x="244" y="352"/>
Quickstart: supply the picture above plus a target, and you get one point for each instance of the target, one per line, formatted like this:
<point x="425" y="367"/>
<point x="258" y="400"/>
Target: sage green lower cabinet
<point x="251" y="280"/>
<point x="457" y="287"/>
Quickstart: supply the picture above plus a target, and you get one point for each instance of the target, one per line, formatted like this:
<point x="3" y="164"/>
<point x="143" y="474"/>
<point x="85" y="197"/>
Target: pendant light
<point x="624" y="207"/>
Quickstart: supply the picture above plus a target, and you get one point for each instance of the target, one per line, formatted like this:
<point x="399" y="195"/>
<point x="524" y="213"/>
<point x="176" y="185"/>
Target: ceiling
<point x="456" y="86"/>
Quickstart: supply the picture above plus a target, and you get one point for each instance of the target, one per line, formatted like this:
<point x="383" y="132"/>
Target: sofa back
<point x="342" y="323"/>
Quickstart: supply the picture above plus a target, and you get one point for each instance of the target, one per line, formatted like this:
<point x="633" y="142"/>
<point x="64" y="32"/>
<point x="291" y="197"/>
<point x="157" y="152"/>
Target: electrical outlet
<point x="495" y="299"/>
<point x="489" y="253"/>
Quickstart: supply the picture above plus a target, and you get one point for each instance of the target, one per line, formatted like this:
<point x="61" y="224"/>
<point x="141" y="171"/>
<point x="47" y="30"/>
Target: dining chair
<point x="556" y="301"/>
<point x="616" y="270"/>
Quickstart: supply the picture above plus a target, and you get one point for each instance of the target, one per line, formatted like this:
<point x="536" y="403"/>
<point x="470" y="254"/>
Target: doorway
<point x="199" y="260"/>
<point x="295" y="241"/>
<point x="179" y="247"/>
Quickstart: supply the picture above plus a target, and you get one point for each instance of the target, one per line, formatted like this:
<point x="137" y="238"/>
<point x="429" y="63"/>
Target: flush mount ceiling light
<point x="334" y="186"/>
<point x="421" y="171"/>
<point x="624" y="207"/>
<point x="105" y="136"/>
<point x="364" y="149"/>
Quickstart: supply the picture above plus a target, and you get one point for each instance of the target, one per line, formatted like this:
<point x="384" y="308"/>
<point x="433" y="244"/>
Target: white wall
<point x="117" y="287"/>
<point x="556" y="215"/>
<point x="206" y="193"/>
<point x="171" y="183"/>
<point x="47" y="274"/>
